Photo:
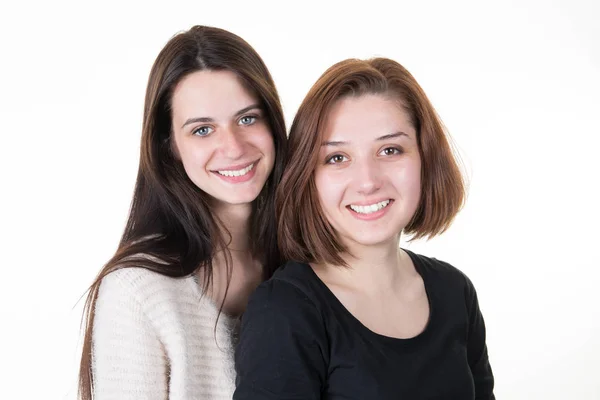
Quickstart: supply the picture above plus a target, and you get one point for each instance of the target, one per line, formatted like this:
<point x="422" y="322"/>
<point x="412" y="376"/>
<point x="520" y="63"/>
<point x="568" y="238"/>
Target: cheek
<point x="263" y="140"/>
<point x="405" y="177"/>
<point x="193" y="157"/>
<point x="263" y="144"/>
<point x="330" y="189"/>
<point x="412" y="180"/>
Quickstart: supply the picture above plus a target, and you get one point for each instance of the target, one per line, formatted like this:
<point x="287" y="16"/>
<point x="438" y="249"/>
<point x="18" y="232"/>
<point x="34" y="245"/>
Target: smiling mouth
<point x="238" y="172"/>
<point x="370" y="209"/>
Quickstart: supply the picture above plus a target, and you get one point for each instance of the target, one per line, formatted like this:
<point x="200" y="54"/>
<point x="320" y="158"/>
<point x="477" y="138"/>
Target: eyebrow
<point x="208" y="119"/>
<point x="380" y="138"/>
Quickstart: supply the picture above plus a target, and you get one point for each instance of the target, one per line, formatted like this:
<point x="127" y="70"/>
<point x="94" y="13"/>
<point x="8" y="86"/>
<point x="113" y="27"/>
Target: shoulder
<point x="291" y="291"/>
<point x="296" y="274"/>
<point x="439" y="271"/>
<point x="141" y="285"/>
<point x="136" y="280"/>
<point x="284" y="308"/>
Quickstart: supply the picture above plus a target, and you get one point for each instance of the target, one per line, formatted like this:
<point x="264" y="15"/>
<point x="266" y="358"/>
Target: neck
<point x="372" y="268"/>
<point x="235" y="225"/>
<point x="235" y="272"/>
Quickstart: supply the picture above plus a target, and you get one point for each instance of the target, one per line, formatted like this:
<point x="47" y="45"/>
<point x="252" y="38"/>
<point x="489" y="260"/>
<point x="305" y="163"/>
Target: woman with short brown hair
<point x="354" y="316"/>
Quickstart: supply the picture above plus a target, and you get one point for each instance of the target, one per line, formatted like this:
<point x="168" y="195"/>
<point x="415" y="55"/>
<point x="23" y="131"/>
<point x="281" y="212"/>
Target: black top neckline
<point x="423" y="335"/>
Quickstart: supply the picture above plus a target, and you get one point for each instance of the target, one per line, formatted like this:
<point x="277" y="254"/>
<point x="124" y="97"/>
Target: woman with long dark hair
<point x="160" y="318"/>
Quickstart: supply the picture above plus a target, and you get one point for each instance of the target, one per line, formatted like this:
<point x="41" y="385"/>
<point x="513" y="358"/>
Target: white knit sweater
<point x="154" y="338"/>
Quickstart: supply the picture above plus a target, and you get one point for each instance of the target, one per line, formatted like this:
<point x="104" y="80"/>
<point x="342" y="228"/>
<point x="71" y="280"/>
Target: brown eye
<point x="336" y="159"/>
<point x="390" y="151"/>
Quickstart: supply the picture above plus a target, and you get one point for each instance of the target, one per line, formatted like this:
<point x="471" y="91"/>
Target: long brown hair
<point x="170" y="229"/>
<point x="303" y="231"/>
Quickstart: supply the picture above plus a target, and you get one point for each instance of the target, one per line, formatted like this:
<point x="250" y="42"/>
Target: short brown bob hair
<point x="304" y="234"/>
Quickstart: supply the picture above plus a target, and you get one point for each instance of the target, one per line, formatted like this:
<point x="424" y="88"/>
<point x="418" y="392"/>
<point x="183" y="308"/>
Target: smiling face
<point x="368" y="177"/>
<point x="221" y="136"/>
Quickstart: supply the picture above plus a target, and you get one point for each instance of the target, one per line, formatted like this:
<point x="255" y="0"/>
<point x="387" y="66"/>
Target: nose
<point x="368" y="177"/>
<point x="233" y="145"/>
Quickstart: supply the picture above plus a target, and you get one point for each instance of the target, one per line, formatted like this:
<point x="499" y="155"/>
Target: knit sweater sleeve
<point x="128" y="358"/>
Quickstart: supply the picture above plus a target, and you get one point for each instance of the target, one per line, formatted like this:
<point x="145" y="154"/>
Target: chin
<point x="241" y="198"/>
<point x="369" y="238"/>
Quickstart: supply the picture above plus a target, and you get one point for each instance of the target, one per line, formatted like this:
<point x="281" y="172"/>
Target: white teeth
<point x="371" y="208"/>
<point x="240" y="172"/>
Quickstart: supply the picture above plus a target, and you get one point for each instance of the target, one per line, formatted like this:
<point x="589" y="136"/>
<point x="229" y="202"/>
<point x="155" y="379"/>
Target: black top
<point x="299" y="342"/>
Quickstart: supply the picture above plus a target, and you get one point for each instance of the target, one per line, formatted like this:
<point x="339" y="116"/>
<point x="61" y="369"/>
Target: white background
<point x="516" y="82"/>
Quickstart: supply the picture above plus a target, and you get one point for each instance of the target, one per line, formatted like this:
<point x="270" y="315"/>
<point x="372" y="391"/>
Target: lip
<point x="372" y="216"/>
<point x="238" y="179"/>
<point x="368" y="203"/>
<point x="234" y="167"/>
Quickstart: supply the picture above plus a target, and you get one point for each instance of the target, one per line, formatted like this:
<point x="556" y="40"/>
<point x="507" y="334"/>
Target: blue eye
<point x="336" y="159"/>
<point x="203" y="131"/>
<point x="247" y="120"/>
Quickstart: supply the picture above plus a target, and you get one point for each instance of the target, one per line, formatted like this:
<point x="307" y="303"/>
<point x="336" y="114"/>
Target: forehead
<point x="210" y="92"/>
<point x="366" y="116"/>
